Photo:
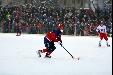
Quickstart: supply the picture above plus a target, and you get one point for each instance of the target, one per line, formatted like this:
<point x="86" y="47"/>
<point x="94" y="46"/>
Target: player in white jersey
<point x="101" y="29"/>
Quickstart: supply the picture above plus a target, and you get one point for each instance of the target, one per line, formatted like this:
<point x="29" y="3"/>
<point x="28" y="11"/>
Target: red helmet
<point x="60" y="26"/>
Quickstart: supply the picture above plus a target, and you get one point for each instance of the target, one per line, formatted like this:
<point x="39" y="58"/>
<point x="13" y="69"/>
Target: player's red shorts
<point x="104" y="35"/>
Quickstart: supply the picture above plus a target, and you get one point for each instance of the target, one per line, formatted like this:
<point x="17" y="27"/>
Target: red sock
<point x="45" y="50"/>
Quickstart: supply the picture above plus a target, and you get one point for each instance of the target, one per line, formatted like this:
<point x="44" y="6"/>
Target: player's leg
<point x="47" y="43"/>
<point x="42" y="51"/>
<point x="19" y="32"/>
<point x="51" y="48"/>
<point x="106" y="38"/>
<point x="101" y="37"/>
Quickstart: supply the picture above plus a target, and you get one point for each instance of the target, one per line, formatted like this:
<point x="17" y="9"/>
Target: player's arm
<point x="60" y="40"/>
<point x="98" y="30"/>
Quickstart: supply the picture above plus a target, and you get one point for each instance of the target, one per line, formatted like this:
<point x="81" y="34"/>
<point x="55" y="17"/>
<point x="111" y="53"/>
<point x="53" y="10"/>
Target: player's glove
<point x="60" y="43"/>
<point x="98" y="31"/>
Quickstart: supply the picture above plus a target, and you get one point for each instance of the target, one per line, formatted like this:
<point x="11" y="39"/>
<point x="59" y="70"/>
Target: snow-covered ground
<point x="18" y="56"/>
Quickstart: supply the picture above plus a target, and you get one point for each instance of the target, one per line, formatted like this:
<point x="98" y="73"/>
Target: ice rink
<point x="18" y="56"/>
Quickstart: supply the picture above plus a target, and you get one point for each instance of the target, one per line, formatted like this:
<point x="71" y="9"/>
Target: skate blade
<point x="38" y="53"/>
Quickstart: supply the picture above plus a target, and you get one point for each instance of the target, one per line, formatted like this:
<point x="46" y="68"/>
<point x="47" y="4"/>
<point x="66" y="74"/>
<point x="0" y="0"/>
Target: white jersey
<point x="101" y="29"/>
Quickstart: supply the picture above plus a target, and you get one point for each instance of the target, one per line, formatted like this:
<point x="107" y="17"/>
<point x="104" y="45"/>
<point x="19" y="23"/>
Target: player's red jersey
<point x="54" y="36"/>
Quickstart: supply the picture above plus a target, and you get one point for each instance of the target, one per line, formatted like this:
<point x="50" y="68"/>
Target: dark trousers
<point x="49" y="45"/>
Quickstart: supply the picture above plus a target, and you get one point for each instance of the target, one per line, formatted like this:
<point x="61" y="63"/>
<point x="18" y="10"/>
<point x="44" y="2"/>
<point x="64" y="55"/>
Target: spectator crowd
<point x="39" y="20"/>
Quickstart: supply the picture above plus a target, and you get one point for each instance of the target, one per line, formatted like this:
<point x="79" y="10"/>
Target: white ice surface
<point x="18" y="56"/>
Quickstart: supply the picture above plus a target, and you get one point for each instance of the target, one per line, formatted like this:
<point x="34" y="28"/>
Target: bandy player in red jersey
<point x="49" y="39"/>
<point x="101" y="29"/>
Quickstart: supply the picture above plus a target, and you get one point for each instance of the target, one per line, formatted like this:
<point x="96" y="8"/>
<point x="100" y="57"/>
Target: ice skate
<point x="108" y="45"/>
<point x="47" y="56"/>
<point x="99" y="44"/>
<point x="39" y="53"/>
<point x="17" y="35"/>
